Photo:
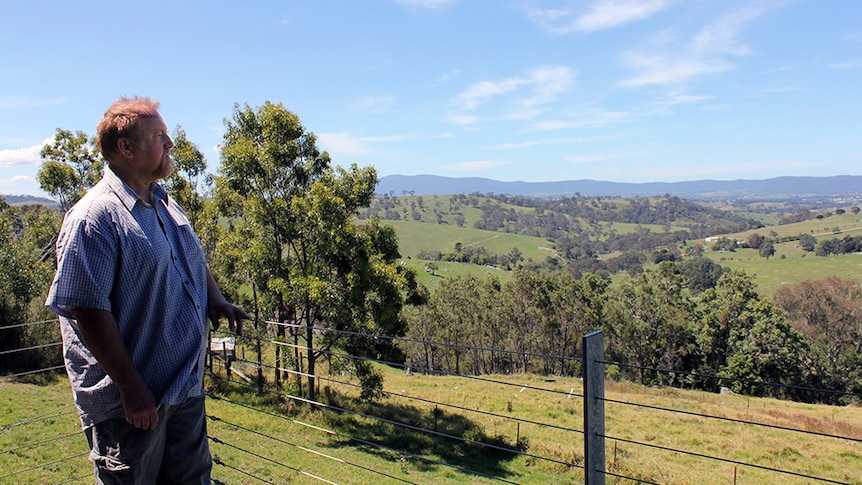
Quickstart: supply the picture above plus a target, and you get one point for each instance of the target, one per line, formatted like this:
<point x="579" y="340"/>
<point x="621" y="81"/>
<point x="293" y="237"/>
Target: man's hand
<point x="101" y="335"/>
<point x="218" y="306"/>
<point x="139" y="406"/>
<point x="221" y="308"/>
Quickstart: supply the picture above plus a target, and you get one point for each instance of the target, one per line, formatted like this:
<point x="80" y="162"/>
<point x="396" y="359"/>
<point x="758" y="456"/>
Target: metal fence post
<point x="594" y="408"/>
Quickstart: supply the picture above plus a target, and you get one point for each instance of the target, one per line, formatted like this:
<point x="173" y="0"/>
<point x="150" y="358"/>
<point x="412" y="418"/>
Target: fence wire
<point x="226" y="435"/>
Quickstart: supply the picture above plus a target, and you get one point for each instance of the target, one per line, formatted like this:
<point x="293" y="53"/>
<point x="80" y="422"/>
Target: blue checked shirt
<point x="145" y="265"/>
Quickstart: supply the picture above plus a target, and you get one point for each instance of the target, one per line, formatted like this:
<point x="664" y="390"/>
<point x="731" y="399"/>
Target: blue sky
<point x="533" y="90"/>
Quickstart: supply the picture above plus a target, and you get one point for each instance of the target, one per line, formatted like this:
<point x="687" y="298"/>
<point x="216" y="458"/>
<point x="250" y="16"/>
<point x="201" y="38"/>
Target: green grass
<point x="297" y="440"/>
<point x="414" y="237"/>
<point x="834" y="226"/>
<point x="445" y="270"/>
<point x="48" y="413"/>
<point x="790" y="264"/>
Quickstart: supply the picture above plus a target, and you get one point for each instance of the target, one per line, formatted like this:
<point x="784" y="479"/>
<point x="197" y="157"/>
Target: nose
<point x="170" y="143"/>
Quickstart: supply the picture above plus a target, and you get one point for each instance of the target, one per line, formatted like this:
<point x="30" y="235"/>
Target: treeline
<point x="478" y="255"/>
<point x="577" y="225"/>
<point x="27" y="236"/>
<point x="808" y="338"/>
<point x="845" y="245"/>
<point x="278" y="225"/>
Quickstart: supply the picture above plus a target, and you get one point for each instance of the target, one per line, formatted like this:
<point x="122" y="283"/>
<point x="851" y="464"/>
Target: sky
<point x="511" y="90"/>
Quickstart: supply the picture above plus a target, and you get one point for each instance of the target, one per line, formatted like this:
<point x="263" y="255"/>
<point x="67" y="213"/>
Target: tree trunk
<point x="309" y="336"/>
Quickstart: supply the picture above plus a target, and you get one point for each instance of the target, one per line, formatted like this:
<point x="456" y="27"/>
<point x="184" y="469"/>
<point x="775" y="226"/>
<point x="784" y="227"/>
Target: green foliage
<point x="534" y="314"/>
<point x="648" y="322"/>
<point x="807" y="242"/>
<point x="700" y="273"/>
<point x="27" y="237"/>
<point x="291" y="235"/>
<point x="828" y="313"/>
<point x="767" y="350"/>
<point x="72" y="164"/>
<point x="189" y="183"/>
<point x="766" y="249"/>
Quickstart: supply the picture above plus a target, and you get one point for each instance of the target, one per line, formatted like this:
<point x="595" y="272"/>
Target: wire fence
<point x="275" y="417"/>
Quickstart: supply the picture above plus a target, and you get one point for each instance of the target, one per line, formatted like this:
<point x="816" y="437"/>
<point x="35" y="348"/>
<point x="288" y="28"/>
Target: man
<point x="133" y="293"/>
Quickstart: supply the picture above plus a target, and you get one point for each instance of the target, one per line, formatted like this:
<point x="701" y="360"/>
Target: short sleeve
<point x="86" y="266"/>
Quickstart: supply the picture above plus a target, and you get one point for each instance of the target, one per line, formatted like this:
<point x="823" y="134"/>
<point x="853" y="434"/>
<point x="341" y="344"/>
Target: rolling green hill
<point x="436" y="224"/>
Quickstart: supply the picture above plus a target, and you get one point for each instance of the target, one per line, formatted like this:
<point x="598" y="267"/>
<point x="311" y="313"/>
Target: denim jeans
<point x="175" y="452"/>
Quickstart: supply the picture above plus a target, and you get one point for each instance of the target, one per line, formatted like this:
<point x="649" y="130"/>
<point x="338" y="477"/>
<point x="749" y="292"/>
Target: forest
<point x="295" y="238"/>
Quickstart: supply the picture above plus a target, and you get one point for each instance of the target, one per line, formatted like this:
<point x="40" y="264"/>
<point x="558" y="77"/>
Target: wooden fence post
<point x="594" y="408"/>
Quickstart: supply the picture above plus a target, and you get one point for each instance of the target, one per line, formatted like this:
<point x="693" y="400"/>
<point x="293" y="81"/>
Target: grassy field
<point x="796" y="267"/>
<point x="283" y="442"/>
<point x="789" y="266"/>
<point x="49" y="416"/>
<point x="414" y="237"/>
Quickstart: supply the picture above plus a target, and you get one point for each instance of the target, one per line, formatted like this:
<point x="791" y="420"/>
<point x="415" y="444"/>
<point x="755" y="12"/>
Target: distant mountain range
<point x="779" y="188"/>
<point x="839" y="188"/>
<point x="28" y="199"/>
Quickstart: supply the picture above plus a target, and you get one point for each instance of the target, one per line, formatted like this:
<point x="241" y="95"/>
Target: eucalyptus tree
<point x="459" y="308"/>
<point x="648" y="318"/>
<point x="744" y="337"/>
<point x="71" y="165"/>
<point x="722" y="315"/>
<point x="26" y="242"/>
<point x="290" y="237"/>
<point x="189" y="182"/>
<point x="829" y="314"/>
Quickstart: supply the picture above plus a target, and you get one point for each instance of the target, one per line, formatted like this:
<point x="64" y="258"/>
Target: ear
<point x="124" y="147"/>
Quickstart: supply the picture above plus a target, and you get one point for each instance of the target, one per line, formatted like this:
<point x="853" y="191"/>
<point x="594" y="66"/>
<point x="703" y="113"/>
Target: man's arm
<point x="218" y="306"/>
<point x="102" y="336"/>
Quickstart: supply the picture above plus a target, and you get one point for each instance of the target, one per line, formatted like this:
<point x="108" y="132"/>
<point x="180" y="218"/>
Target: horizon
<point x="48" y="196"/>
<point x="623" y="91"/>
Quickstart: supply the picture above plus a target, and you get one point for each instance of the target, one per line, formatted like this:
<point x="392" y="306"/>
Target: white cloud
<point x="426" y="4"/>
<point x="601" y="15"/>
<point x="538" y="87"/>
<point x="475" y="165"/>
<point x="594" y="158"/>
<point x="722" y="35"/>
<point x="447" y="77"/>
<point x="377" y="103"/>
<point x="347" y="144"/>
<point x="658" y="69"/>
<point x="854" y="64"/>
<point x="548" y="84"/>
<point x="590" y="118"/>
<point x="682" y="98"/>
<point x="705" y="53"/>
<point x="483" y="91"/>
<point x="676" y="98"/>
<point x="534" y="143"/>
<point x="23" y="156"/>
<point x="606" y="14"/>
<point x="461" y="119"/>
<point x="343" y="143"/>
<point x="21" y="185"/>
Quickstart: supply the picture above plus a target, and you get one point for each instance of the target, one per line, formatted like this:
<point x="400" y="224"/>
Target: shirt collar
<point x="125" y="193"/>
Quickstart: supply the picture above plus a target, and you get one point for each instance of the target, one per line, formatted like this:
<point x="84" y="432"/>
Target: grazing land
<point x="284" y="432"/>
<point x="434" y="228"/>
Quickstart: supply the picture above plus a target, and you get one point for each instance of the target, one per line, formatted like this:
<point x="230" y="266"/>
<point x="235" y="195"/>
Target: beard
<point x="165" y="168"/>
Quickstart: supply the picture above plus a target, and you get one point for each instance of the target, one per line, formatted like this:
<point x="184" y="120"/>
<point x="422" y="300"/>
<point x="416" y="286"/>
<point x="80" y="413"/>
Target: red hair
<point x="121" y="120"/>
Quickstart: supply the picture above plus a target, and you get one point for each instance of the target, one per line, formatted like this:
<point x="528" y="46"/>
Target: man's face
<point x="152" y="149"/>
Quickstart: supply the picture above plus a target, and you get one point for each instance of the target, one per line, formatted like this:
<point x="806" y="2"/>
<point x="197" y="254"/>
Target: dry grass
<point x="485" y="411"/>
